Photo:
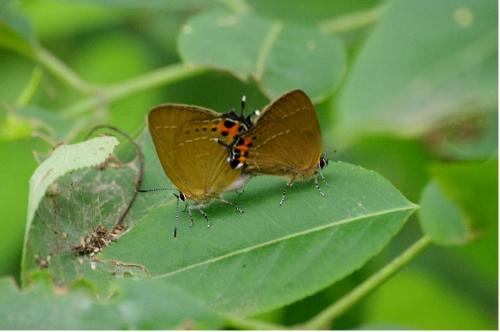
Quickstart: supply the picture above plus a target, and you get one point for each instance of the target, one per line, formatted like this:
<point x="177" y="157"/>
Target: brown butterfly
<point x="184" y="137"/>
<point x="285" y="140"/>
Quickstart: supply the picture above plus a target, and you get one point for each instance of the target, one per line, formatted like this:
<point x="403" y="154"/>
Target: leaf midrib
<point x="284" y="238"/>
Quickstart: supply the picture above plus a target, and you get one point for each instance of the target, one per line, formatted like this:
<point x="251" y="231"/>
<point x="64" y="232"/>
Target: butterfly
<point x="183" y="136"/>
<point x="283" y="140"/>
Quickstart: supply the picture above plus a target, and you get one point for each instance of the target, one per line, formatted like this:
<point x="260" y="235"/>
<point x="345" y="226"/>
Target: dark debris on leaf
<point x="93" y="243"/>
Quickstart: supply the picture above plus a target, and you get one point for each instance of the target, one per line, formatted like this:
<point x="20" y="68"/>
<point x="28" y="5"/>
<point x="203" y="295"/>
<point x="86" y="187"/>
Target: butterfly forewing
<point x="286" y="138"/>
<point x="184" y="139"/>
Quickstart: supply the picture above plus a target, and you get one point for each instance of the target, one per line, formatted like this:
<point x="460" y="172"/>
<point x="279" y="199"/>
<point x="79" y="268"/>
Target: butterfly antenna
<point x="284" y="192"/>
<point x="243" y="104"/>
<point x="328" y="153"/>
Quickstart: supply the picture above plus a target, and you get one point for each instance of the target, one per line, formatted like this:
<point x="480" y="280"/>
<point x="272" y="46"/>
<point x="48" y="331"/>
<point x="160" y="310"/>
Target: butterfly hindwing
<point x="184" y="137"/>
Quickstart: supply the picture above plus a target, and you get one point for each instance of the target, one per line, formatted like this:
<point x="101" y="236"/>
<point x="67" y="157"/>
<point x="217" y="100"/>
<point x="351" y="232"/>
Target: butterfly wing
<point x="286" y="138"/>
<point x="184" y="140"/>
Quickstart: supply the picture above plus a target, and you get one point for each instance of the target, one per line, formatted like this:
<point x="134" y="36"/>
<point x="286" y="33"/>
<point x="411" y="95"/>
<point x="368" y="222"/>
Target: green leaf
<point x="64" y="159"/>
<point x="52" y="231"/>
<point x="474" y="187"/>
<point x="441" y="218"/>
<point x="460" y="204"/>
<point x="410" y="77"/>
<point x="15" y="30"/>
<point x="269" y="256"/>
<point x="135" y="305"/>
<point x="279" y="56"/>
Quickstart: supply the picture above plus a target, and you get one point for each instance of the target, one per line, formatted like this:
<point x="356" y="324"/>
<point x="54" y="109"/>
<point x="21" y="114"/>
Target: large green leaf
<point x="412" y="75"/>
<point x="277" y="55"/>
<point x="269" y="256"/>
<point x="460" y="204"/>
<point x="135" y="305"/>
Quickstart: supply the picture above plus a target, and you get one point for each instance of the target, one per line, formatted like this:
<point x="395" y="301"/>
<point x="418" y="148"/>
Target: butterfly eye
<point x="323" y="162"/>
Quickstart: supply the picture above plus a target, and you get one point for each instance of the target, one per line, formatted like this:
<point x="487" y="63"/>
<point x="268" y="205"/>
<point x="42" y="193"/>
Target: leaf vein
<point x="283" y="238"/>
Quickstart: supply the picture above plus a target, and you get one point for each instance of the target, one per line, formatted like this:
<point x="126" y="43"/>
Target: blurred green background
<point x="414" y="93"/>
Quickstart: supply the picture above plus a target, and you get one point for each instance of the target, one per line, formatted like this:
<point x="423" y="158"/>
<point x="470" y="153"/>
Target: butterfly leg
<point x="323" y="178"/>
<point x="316" y="184"/>
<point x="283" y="193"/>
<point x="232" y="204"/>
<point x="240" y="192"/>
<point x="204" y="216"/>
<point x="190" y="214"/>
<point x="185" y="207"/>
<point x="176" y="216"/>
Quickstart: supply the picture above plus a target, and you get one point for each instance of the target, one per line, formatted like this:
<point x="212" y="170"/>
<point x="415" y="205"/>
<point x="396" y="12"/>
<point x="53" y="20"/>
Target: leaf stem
<point x="61" y="70"/>
<point x="30" y="89"/>
<point x="104" y="95"/>
<point x="352" y="21"/>
<point x="325" y="317"/>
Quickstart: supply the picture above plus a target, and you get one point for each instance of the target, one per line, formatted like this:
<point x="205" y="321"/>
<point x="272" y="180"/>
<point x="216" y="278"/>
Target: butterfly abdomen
<point x="240" y="152"/>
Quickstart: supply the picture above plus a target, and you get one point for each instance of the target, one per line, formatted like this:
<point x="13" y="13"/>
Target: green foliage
<point x="15" y="30"/>
<point x="441" y="219"/>
<point x="452" y="211"/>
<point x="318" y="235"/>
<point x="279" y="56"/>
<point x="133" y="305"/>
<point x="64" y="159"/>
<point x="361" y="211"/>
<point x="15" y="170"/>
<point x="411" y="76"/>
<point x="413" y="99"/>
<point x="435" y="304"/>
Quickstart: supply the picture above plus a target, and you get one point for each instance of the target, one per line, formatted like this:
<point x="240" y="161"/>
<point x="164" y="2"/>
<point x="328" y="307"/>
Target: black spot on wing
<point x="229" y="124"/>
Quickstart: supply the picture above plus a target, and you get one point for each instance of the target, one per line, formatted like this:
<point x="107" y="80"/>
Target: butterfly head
<point x="323" y="162"/>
